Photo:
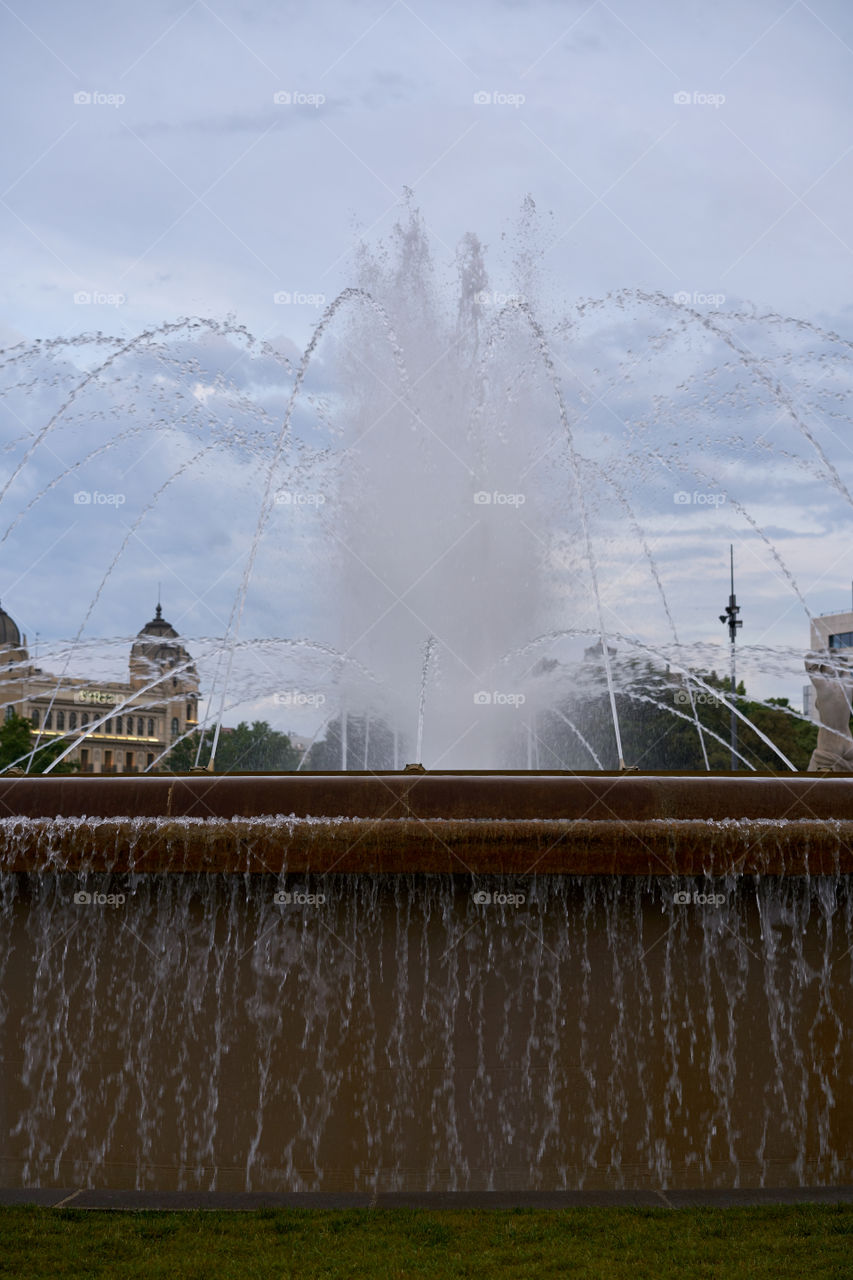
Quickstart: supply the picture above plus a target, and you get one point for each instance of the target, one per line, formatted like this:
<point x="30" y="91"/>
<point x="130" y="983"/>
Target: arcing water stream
<point x="437" y="462"/>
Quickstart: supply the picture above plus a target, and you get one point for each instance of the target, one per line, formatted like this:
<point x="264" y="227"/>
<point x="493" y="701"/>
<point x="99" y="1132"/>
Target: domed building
<point x="14" y="658"/>
<point x="157" y="705"/>
<point x="157" y="649"/>
<point x="10" y="636"/>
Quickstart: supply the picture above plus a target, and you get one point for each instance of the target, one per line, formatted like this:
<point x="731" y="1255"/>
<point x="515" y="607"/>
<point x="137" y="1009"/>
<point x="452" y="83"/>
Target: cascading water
<point x="358" y="1033"/>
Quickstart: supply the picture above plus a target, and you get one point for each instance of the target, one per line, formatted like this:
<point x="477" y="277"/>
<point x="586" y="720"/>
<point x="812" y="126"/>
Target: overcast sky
<point x="183" y="185"/>
<point x="175" y="159"/>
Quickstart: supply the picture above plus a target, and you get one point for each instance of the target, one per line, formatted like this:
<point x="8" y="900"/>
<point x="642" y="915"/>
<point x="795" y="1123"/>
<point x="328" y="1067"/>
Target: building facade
<point x="832" y="631"/>
<point x="152" y="709"/>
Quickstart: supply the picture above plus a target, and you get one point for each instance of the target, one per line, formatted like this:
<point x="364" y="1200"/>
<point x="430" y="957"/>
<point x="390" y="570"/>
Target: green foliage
<point x="17" y="739"/>
<point x="247" y="749"/>
<point x="657" y="721"/>
<point x="370" y="745"/>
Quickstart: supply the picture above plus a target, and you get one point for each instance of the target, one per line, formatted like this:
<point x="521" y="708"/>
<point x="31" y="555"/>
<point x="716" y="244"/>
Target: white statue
<point x="832" y="676"/>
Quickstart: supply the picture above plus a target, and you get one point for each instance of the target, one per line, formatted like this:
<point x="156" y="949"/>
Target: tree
<point x="17" y="740"/>
<point x="370" y="745"/>
<point x="255" y="749"/>
<point x="658" y="728"/>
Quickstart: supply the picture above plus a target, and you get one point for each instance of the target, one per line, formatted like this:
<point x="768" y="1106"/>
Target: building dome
<point x="155" y="633"/>
<point x="158" y="647"/>
<point x="9" y="634"/>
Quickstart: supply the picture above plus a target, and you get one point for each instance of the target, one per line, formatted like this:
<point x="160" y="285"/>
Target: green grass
<point x="607" y="1244"/>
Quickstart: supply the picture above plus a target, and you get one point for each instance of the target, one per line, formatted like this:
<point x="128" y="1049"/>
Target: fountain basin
<point x="575" y="824"/>
<point x="439" y="982"/>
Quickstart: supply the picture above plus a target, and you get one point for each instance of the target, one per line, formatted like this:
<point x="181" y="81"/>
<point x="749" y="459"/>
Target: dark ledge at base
<point x="136" y="1201"/>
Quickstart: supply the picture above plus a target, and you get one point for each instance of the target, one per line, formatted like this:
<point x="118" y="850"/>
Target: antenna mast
<point x="731" y="620"/>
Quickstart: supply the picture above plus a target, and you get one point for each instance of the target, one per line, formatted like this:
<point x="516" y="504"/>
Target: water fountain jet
<point x="423" y="979"/>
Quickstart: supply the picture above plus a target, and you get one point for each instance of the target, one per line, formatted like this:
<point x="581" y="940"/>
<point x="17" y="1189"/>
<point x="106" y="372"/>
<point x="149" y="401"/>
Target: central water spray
<point x="473" y="498"/>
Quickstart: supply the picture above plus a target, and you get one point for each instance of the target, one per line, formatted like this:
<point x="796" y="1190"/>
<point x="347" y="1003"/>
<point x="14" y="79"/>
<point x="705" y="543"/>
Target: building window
<point x="128" y="762"/>
<point x="10" y="711"/>
<point x="72" y="719"/>
<point x="190" y="711"/>
<point x="34" y="717"/>
<point x="841" y="640"/>
<point x="60" y="719"/>
<point x="48" y="720"/>
<point x="118" y="724"/>
<point x="84" y="719"/>
<point x="150" y="760"/>
<point x="139" y="727"/>
<point x="174" y="682"/>
<point x="85" y="767"/>
<point x="108" y="762"/>
<point x="108" y="727"/>
<point x="150" y="730"/>
<point x="175" y="727"/>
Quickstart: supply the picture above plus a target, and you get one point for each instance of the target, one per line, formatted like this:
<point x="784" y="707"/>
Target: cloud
<point x="200" y="196"/>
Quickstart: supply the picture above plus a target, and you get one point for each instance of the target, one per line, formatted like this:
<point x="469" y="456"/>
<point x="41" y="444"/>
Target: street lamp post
<point x="730" y="619"/>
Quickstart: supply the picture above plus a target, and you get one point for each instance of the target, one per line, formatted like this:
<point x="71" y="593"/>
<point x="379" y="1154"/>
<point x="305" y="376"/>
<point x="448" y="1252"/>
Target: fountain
<point x="471" y="974"/>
